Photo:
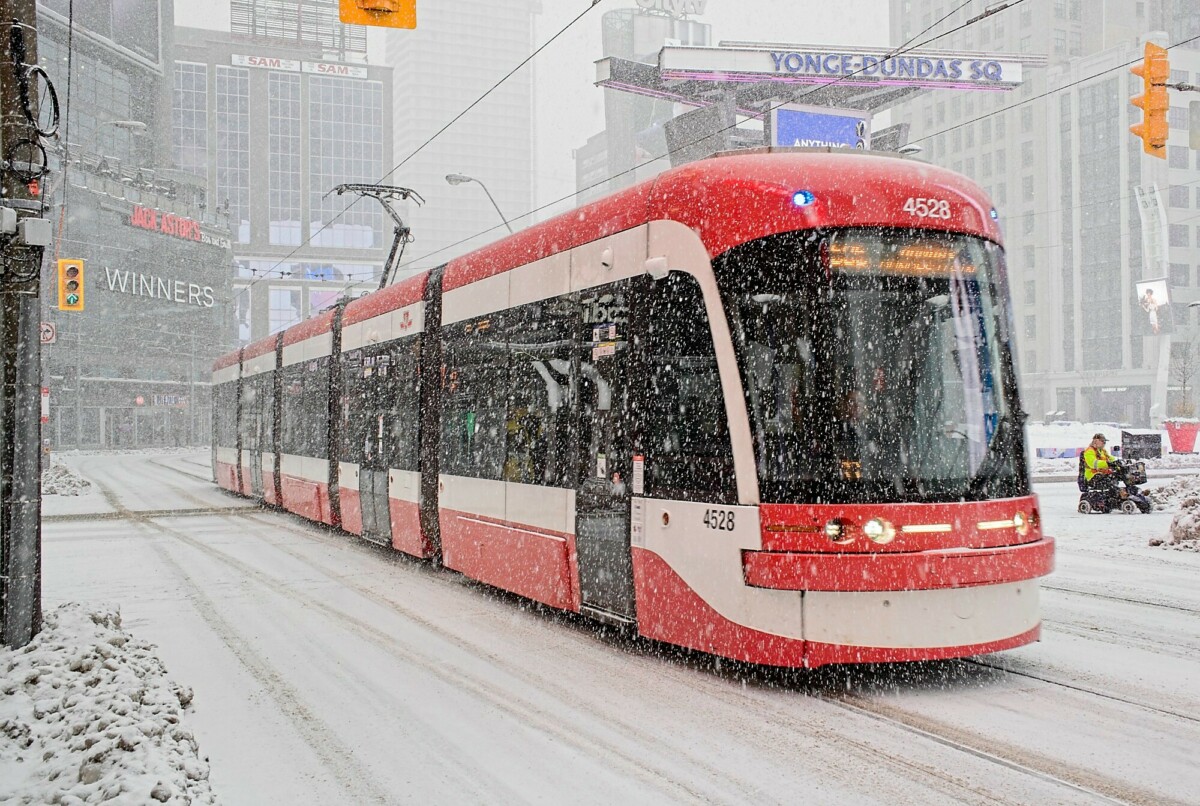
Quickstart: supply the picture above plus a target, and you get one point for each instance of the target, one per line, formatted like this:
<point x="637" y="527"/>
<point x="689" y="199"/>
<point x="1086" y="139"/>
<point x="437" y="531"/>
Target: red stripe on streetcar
<point x="923" y="570"/>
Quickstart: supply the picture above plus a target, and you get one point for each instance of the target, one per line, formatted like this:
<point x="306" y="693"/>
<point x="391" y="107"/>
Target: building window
<point x="189" y="118"/>
<point x="284" y="308"/>
<point x="283" y="175"/>
<point x="1030" y="289"/>
<point x="1060" y="9"/>
<point x="1027" y="224"/>
<point x="1060" y="42"/>
<point x="1000" y="166"/>
<point x="1177" y="156"/>
<point x="969" y="136"/>
<point x="1076" y="43"/>
<point x="985" y="131"/>
<point x="985" y="165"/>
<point x="1027" y="188"/>
<point x="1000" y="127"/>
<point x="345" y="145"/>
<point x="1181" y="274"/>
<point x="296" y="22"/>
<point x="1178" y="196"/>
<point x="1178" y="235"/>
<point x="1027" y="154"/>
<point x="233" y="148"/>
<point x="1026" y="119"/>
<point x="1177" y="117"/>
<point x="1031" y="327"/>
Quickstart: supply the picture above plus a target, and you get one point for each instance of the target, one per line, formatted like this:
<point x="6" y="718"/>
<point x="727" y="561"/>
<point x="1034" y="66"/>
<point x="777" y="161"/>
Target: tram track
<point x="1081" y="782"/>
<point x="1055" y="774"/>
<point x="527" y="712"/>
<point x="1082" y="689"/>
<point x="1108" y="597"/>
<point x="1078" y="780"/>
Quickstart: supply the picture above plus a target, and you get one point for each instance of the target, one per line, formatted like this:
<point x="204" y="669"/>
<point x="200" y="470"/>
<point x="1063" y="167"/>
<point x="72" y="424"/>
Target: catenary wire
<point x="900" y="50"/>
<point x="592" y="4"/>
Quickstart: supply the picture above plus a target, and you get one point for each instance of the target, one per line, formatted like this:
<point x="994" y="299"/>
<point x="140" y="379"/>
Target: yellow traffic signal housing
<point x="1155" y="71"/>
<point x="70" y="285"/>
<point x="384" y="13"/>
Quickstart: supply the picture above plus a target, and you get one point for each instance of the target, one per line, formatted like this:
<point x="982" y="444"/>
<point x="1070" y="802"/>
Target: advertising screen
<point x="819" y="127"/>
<point x="1153" y="297"/>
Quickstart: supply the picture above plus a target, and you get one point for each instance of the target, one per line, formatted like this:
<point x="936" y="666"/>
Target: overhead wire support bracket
<point x="402" y="233"/>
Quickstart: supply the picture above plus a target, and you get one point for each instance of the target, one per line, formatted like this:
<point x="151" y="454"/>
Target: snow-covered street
<point x="328" y="670"/>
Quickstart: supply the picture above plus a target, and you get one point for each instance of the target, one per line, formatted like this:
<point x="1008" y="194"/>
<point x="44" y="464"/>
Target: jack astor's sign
<point x="170" y="224"/>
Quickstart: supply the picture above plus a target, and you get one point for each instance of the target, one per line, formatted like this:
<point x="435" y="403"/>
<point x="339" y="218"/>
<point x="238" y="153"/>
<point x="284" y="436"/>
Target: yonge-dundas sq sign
<point x="814" y="65"/>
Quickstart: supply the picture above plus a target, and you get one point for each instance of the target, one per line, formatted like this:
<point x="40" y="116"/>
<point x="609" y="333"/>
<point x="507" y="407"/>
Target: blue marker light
<point x="803" y="198"/>
<point x="995" y="215"/>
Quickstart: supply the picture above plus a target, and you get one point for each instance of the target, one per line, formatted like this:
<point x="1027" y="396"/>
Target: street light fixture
<point x="458" y="179"/>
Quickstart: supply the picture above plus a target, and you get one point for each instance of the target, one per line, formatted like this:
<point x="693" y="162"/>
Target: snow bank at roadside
<point x="1185" y="529"/>
<point x="1181" y="491"/>
<point x="58" y="479"/>
<point x="88" y="714"/>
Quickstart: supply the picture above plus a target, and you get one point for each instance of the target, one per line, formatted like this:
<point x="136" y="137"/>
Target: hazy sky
<point x="570" y="108"/>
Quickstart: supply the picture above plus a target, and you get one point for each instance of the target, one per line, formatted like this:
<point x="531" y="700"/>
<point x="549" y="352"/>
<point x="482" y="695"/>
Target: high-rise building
<point x="455" y="55"/>
<point x="274" y="105"/>
<point x="1064" y="172"/>
<point x="131" y="368"/>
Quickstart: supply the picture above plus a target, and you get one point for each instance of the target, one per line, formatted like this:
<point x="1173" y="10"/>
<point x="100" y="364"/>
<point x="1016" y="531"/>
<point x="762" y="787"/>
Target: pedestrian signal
<point x="70" y="285"/>
<point x="1155" y="71"/>
<point x="384" y="13"/>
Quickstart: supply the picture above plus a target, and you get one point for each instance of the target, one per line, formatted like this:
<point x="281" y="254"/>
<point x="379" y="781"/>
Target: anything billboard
<point x="820" y="127"/>
<point x="1153" y="297"/>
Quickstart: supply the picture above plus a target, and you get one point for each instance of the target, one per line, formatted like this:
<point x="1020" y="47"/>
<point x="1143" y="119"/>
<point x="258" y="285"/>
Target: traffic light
<point x="1154" y="72"/>
<point x="384" y="13"/>
<point x="70" y="285"/>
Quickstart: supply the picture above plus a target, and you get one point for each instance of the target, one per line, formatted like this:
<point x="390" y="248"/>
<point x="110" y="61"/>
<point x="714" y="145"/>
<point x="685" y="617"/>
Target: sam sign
<point x="820" y="127"/>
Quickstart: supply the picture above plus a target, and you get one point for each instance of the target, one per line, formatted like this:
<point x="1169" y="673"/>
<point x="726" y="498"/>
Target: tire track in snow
<point x="336" y="757"/>
<point x="925" y="774"/>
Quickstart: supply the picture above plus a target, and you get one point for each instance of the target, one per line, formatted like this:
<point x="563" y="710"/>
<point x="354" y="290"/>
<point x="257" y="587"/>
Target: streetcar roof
<point x="740" y="196"/>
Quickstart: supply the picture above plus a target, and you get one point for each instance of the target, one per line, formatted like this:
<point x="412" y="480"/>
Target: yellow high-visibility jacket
<point x="1095" y="461"/>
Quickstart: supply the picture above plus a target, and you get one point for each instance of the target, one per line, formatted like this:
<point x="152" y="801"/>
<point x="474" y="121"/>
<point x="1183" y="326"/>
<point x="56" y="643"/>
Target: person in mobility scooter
<point x="1106" y="483"/>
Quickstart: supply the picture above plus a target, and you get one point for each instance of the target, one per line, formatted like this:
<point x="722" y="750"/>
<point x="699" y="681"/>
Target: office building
<point x="131" y="368"/>
<point x="274" y="105"/>
<point x="1064" y="172"/>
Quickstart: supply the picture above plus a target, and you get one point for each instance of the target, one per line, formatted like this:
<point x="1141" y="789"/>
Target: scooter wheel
<point x="1129" y="507"/>
<point x="1085" y="507"/>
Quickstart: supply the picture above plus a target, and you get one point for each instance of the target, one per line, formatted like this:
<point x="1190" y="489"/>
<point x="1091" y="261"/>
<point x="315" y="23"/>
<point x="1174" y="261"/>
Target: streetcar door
<point x="258" y="427"/>
<point x="255" y="440"/>
<point x="373" y="473"/>
<point x="604" y="452"/>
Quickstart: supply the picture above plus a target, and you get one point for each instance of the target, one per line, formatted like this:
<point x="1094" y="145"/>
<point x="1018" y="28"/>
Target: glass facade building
<point x="294" y="108"/>
<point x="131" y="368"/>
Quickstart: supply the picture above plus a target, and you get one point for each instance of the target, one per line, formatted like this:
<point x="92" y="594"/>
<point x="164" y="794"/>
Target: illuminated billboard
<point x="1153" y="297"/>
<point x="820" y="127"/>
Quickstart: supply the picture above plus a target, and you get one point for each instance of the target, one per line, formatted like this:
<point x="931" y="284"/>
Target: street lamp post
<point x="458" y="179"/>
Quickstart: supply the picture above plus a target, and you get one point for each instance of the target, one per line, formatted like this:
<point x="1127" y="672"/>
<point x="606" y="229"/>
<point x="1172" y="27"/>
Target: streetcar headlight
<point x="880" y="531"/>
<point x="1021" y="523"/>
<point x="836" y="532"/>
<point x="803" y="198"/>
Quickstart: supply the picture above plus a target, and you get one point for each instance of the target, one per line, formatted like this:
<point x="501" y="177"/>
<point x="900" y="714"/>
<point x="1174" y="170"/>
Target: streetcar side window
<point x="293" y="440"/>
<point x="538" y="427"/>
<point x="315" y="403"/>
<point x="688" y="453"/>
<point x="354" y="407"/>
<point x="406" y="401"/>
<point x="474" y="398"/>
<point x="225" y="414"/>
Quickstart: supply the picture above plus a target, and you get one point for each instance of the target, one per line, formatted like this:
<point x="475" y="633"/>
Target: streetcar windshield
<point x="876" y="366"/>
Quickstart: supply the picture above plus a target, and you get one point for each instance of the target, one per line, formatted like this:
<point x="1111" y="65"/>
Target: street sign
<point x="48" y="332"/>
<point x="45" y="405"/>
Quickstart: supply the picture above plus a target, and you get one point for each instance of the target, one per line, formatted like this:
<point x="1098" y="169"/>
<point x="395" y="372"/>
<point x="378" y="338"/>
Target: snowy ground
<point x="325" y="670"/>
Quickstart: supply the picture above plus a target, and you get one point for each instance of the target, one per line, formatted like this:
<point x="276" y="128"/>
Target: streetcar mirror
<point x="657" y="268"/>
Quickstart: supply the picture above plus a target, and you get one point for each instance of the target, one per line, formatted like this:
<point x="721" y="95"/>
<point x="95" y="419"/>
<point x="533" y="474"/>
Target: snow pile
<point x="1185" y="528"/>
<point x="1181" y="490"/>
<point x="88" y="714"/>
<point x="58" y="479"/>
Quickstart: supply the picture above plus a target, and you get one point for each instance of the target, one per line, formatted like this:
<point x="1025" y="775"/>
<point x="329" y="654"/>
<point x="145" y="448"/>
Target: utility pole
<point x="22" y="162"/>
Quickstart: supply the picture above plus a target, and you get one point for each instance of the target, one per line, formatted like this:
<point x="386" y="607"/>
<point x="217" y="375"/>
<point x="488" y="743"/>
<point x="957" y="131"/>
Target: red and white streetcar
<point x="763" y="405"/>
